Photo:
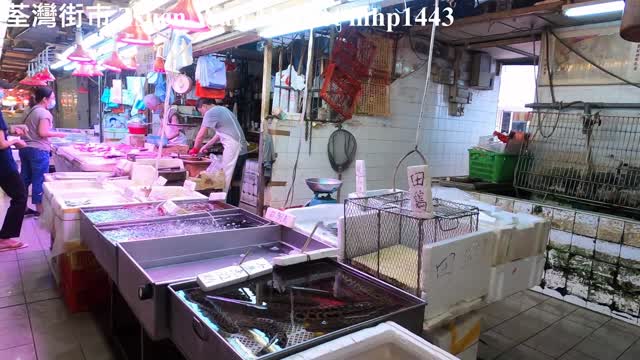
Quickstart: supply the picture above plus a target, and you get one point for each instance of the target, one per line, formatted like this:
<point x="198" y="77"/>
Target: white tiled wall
<point x="383" y="141"/>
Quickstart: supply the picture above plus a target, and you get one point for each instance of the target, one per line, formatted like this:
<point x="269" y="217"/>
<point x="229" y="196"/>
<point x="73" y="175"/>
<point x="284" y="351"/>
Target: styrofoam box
<point x="510" y="278"/>
<point x="386" y="341"/>
<point x="63" y="221"/>
<point x="307" y="217"/>
<point x="526" y="238"/>
<point x="457" y="336"/>
<point x="456" y="271"/>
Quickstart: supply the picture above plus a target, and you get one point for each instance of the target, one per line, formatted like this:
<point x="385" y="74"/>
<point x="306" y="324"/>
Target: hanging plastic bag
<point x="106" y="95"/>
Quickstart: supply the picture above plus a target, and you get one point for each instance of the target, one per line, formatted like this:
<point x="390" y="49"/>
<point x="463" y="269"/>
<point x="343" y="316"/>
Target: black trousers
<point x="11" y="183"/>
<point x="233" y="197"/>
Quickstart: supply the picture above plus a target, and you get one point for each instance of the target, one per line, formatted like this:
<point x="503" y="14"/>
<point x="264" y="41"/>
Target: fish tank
<point x="294" y="307"/>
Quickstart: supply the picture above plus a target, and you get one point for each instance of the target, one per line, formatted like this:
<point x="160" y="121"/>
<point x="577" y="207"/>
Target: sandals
<point x="8" y="245"/>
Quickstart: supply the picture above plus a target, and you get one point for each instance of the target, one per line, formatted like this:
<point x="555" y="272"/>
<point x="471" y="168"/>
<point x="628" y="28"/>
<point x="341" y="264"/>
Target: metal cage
<point x="383" y="239"/>
<point x="591" y="158"/>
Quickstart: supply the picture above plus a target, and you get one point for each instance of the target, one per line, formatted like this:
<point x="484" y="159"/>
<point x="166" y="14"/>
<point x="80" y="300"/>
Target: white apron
<point x="229" y="158"/>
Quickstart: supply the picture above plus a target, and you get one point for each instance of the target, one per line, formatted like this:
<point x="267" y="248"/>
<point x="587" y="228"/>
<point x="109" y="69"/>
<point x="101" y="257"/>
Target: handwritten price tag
<point x="218" y="196"/>
<point x="170" y="207"/>
<point x="160" y="181"/>
<point x="280" y="217"/>
<point x="149" y="146"/>
<point x="189" y="185"/>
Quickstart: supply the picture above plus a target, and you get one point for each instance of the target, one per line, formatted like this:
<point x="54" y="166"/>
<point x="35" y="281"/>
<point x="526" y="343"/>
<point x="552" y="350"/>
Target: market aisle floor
<point x="34" y="322"/>
<point x="533" y="326"/>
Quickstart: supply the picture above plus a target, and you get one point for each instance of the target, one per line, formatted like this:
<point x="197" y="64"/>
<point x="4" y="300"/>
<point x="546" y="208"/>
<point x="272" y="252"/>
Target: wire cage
<point x="384" y="239"/>
<point x="591" y="158"/>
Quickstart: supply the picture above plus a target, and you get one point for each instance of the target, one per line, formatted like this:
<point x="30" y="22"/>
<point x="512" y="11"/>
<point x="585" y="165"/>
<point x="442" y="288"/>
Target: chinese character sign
<point x="420" y="190"/>
<point x="51" y="14"/>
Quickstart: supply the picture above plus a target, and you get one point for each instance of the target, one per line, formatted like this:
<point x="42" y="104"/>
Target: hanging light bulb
<point x="134" y="35"/>
<point x="184" y="16"/>
<point x="80" y="55"/>
<point x="114" y="63"/>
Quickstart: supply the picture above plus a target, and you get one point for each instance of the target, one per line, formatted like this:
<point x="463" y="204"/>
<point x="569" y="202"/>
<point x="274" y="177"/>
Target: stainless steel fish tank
<point x="279" y="314"/>
<point x="144" y="256"/>
<point x="101" y="228"/>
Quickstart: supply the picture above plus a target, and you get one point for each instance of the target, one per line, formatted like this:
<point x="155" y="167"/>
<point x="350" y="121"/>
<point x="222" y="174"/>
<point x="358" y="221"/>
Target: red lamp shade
<point x="95" y="71"/>
<point x="84" y="70"/>
<point x="132" y="64"/>
<point x="134" y="35"/>
<point x="44" y="75"/>
<point x="183" y="15"/>
<point x="30" y="81"/>
<point x="80" y="55"/>
<point x="114" y="63"/>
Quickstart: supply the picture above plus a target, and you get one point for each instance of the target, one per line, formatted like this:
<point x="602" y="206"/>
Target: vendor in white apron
<point x="227" y="131"/>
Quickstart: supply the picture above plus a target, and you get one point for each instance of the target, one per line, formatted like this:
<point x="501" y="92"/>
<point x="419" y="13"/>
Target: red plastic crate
<point x="353" y="53"/>
<point x="79" y="301"/>
<point x="340" y="91"/>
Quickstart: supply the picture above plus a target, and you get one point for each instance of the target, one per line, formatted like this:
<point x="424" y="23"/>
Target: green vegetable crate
<point x="492" y="167"/>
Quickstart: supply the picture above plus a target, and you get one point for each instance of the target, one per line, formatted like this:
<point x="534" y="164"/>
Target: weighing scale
<point x="322" y="189"/>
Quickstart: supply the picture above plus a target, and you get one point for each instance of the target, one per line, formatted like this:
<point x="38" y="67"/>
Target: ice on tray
<point x="147" y="211"/>
<point x="179" y="227"/>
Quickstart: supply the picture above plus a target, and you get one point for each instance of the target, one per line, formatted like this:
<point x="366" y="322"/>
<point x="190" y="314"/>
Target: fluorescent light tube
<point x="593" y="8"/>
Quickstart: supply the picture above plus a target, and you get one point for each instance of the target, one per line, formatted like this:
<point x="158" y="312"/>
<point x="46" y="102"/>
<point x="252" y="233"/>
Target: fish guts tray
<point x="279" y="314"/>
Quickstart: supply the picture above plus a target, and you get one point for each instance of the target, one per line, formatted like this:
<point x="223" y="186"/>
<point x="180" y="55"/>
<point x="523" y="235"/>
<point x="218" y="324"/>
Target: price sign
<point x="149" y="146"/>
<point x="218" y="196"/>
<point x="170" y="207"/>
<point x="160" y="181"/>
<point x="280" y="217"/>
<point x="190" y="185"/>
<point x="420" y="190"/>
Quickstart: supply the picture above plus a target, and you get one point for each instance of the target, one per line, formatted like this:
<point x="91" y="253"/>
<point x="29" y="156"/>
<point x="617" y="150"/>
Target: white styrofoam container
<point x="526" y="238"/>
<point x="63" y="221"/>
<point x="68" y="176"/>
<point x="386" y="341"/>
<point x="512" y="277"/>
<point x="457" y="336"/>
<point x="307" y="217"/>
<point x="456" y="271"/>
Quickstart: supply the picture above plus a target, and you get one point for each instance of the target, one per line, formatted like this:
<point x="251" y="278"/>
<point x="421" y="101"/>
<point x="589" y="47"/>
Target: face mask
<point x="52" y="104"/>
<point x="1" y="94"/>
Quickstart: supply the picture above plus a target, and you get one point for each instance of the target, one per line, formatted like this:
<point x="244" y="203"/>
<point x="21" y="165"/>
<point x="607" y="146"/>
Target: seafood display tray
<point x="279" y="314"/>
<point x="145" y="268"/>
<point x="102" y="215"/>
<point x="97" y="237"/>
